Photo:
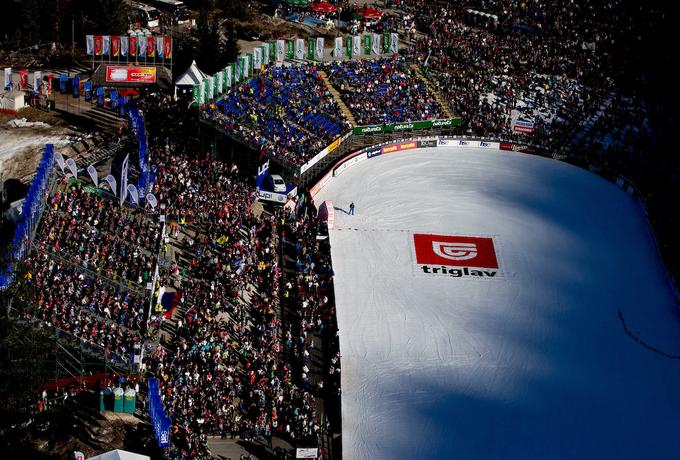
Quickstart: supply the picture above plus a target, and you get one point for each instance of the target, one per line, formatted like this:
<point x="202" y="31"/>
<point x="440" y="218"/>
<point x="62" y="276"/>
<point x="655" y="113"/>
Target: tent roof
<point x="192" y="76"/>
<point x="120" y="455"/>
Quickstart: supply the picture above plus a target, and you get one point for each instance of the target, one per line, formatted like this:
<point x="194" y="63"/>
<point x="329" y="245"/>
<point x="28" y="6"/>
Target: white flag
<point x="229" y="77"/>
<point x="211" y="88"/>
<point x="141" y="46"/>
<point x="201" y="93"/>
<point x="93" y="175"/>
<point x="220" y="87"/>
<point x="337" y="52"/>
<point x="106" y="45"/>
<point x="151" y="199"/>
<point x="356" y="45"/>
<point x="280" y="50"/>
<point x="320" y="42"/>
<point x="299" y="48"/>
<point x="59" y="158"/>
<point x="394" y="43"/>
<point x="112" y="183"/>
<point x="160" y="49"/>
<point x="124" y="45"/>
<point x="124" y="180"/>
<point x="72" y="167"/>
<point x="37" y="81"/>
<point x="257" y="58"/>
<point x="375" y="44"/>
<point x="133" y="193"/>
<point x="265" y="54"/>
<point x="89" y="44"/>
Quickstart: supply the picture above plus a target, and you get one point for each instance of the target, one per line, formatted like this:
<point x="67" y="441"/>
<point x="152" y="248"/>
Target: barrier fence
<point x="31" y="211"/>
<point x="159" y="419"/>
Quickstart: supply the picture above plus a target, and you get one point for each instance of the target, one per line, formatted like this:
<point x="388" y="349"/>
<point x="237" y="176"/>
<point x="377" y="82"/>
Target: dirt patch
<point x="23" y="141"/>
<point x="35" y="115"/>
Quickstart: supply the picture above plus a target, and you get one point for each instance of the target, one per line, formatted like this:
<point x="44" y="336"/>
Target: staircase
<point x="336" y="95"/>
<point x="437" y="95"/>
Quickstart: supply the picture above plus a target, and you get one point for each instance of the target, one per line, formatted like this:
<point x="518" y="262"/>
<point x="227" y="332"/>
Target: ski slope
<point x="531" y="363"/>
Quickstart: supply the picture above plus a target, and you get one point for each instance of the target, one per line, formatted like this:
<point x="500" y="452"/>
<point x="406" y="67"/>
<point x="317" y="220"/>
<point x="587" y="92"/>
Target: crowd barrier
<point x="137" y="124"/>
<point x="159" y="419"/>
<point x="465" y="142"/>
<point x="32" y="210"/>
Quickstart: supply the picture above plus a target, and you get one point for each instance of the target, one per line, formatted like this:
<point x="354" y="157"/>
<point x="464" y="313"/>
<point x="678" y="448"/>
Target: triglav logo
<point x="455" y="251"/>
<point x="436" y="254"/>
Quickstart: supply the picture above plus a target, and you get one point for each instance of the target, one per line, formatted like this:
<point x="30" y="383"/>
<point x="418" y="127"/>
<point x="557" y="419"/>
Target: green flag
<point x="290" y="49"/>
<point x="311" y="45"/>
<point x="367" y="44"/>
<point x="196" y="94"/>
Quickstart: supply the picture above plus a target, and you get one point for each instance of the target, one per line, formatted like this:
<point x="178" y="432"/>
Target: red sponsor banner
<point x="150" y="46"/>
<point x="23" y="79"/>
<point x="130" y="74"/>
<point x="167" y="47"/>
<point x="115" y="45"/>
<point x="522" y="129"/>
<point x="133" y="45"/>
<point x="524" y="149"/>
<point x="455" y="251"/>
<point x="399" y="147"/>
<point x="98" y="45"/>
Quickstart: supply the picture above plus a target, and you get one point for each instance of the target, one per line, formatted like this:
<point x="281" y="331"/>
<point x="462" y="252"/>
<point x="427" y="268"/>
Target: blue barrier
<point x="31" y="211"/>
<point x="159" y="419"/>
<point x="137" y="125"/>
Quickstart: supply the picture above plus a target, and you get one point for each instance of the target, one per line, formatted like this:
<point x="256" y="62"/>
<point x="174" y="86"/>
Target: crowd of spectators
<point x="286" y="112"/>
<point x="545" y="71"/>
<point x="89" y="267"/>
<point x="96" y="233"/>
<point x="223" y="371"/>
<point x="308" y="294"/>
<point x="383" y="91"/>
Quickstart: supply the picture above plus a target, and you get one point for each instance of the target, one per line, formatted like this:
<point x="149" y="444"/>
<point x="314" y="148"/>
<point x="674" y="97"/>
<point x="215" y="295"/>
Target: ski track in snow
<point x="533" y="363"/>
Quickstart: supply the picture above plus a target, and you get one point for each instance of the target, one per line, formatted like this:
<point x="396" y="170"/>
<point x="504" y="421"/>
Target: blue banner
<point x="76" y="87"/>
<point x="160" y="421"/>
<point x="32" y="209"/>
<point x="137" y="125"/>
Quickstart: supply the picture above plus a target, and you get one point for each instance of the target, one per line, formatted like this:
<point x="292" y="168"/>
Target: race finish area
<point x="478" y="296"/>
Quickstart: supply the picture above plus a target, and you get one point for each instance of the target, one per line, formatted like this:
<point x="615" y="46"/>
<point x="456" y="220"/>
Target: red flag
<point x="150" y="46"/>
<point x="98" y="45"/>
<point x="115" y="45"/>
<point x="133" y="45"/>
<point x="49" y="83"/>
<point x="23" y="79"/>
<point x="167" y="47"/>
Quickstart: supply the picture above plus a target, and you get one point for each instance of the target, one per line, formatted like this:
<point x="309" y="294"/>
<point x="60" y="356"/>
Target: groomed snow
<point x="531" y="364"/>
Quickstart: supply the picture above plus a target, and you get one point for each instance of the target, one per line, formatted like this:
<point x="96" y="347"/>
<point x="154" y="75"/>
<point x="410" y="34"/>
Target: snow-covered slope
<point x="531" y="363"/>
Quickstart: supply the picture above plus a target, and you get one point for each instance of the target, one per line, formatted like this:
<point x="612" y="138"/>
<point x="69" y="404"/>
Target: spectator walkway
<point x="336" y="95"/>
<point x="446" y="108"/>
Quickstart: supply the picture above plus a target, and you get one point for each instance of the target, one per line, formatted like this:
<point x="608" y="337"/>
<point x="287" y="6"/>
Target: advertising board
<point x="130" y="74"/>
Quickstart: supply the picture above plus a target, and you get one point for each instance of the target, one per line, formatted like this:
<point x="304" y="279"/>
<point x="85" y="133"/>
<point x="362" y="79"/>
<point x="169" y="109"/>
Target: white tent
<point x="120" y="455"/>
<point x="193" y="76"/>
